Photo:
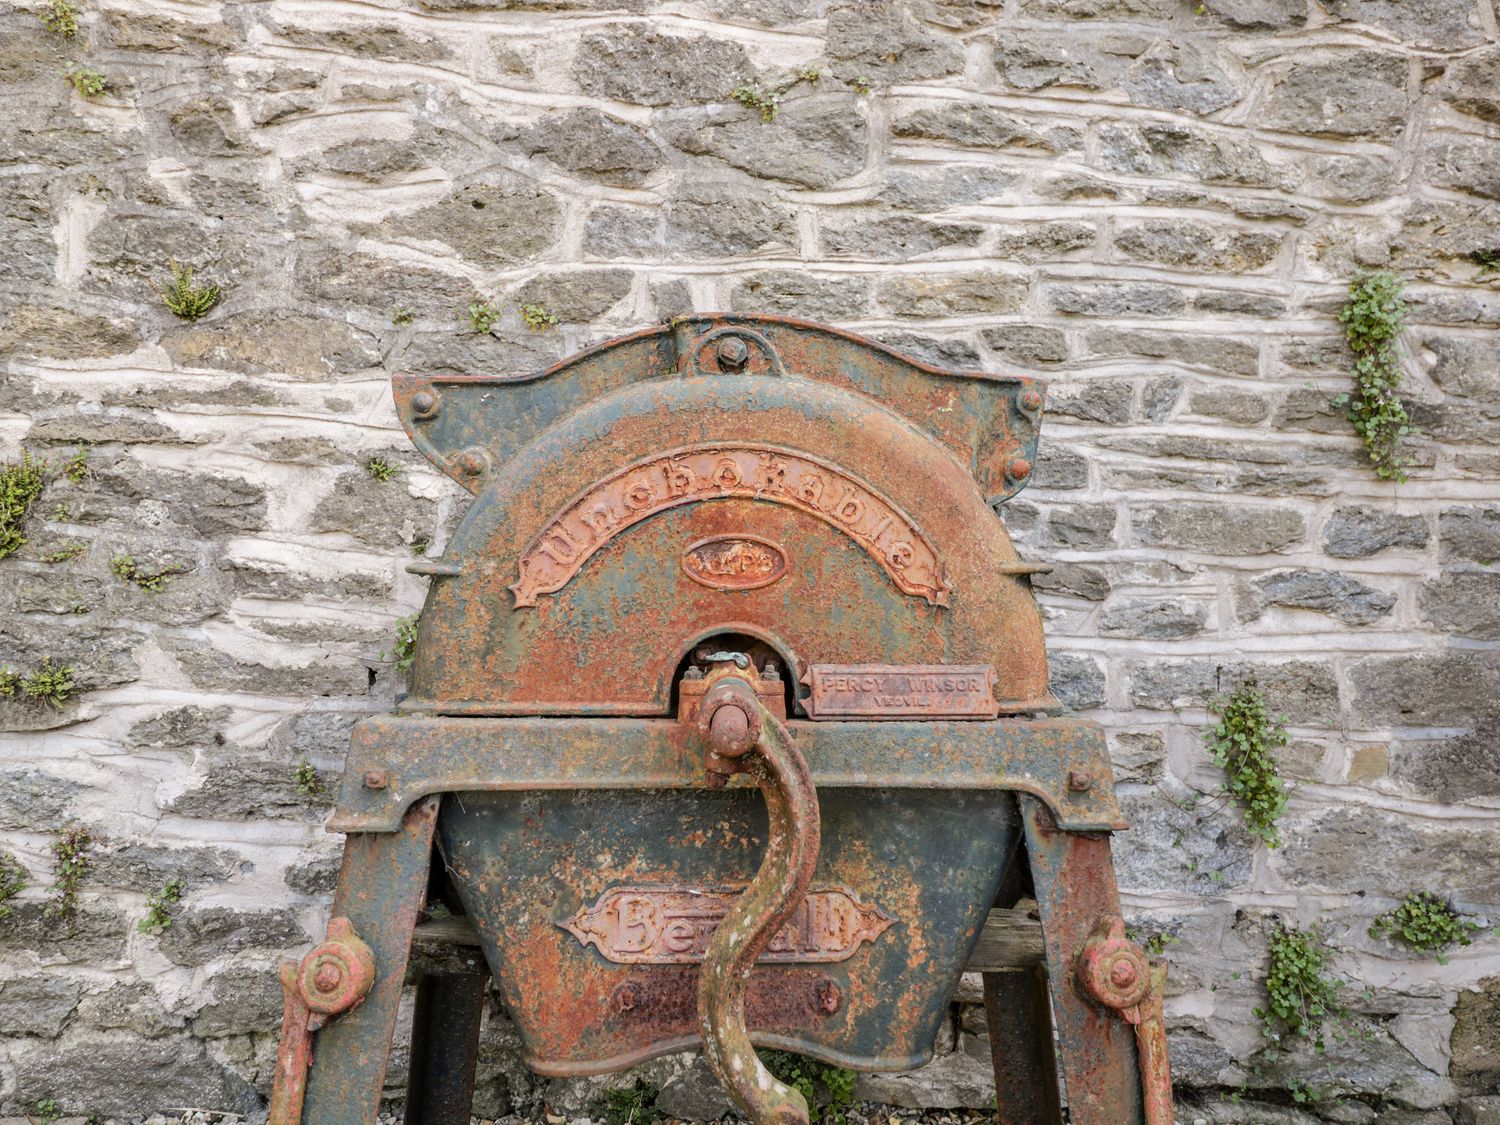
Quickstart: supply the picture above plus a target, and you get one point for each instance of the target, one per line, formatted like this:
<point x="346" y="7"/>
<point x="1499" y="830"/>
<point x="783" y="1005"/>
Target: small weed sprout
<point x="65" y="552"/>
<point x="71" y="849"/>
<point x="152" y="581"/>
<point x="419" y="544"/>
<point x="1299" y="997"/>
<point x="381" y="469"/>
<point x="482" y="315"/>
<point x="61" y="16"/>
<point x="50" y="684"/>
<point x="860" y="85"/>
<point x="1244" y="743"/>
<point x="1154" y="943"/>
<point x="159" y="907"/>
<point x="404" y="651"/>
<point x="309" y="784"/>
<point x="47" y="1110"/>
<point x="21" y="482"/>
<point x="805" y="1076"/>
<point x="76" y="468"/>
<point x="629" y="1105"/>
<point x="765" y="102"/>
<point x="9" y="681"/>
<point x="60" y="512"/>
<point x="402" y="316"/>
<point x="1372" y="318"/>
<point x="537" y="318"/>
<point x="88" y="82"/>
<point x="1488" y="261"/>
<point x="12" y="881"/>
<point x="1426" y="923"/>
<point x="189" y="301"/>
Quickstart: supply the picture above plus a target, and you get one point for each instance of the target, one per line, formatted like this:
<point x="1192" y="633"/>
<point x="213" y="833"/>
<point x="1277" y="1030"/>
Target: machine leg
<point x="1075" y="888"/>
<point x="1019" y="1017"/>
<point x="445" y="1048"/>
<point x="381" y="886"/>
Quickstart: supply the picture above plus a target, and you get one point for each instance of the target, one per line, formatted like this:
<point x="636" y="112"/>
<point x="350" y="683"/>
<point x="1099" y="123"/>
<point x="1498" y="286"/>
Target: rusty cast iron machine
<point x="729" y="724"/>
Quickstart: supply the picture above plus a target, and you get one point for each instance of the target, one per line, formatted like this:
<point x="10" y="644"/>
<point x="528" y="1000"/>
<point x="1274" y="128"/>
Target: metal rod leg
<point x="1019" y="1019"/>
<point x="445" y="1048"/>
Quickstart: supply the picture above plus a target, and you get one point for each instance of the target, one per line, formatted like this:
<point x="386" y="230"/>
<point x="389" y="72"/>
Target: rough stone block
<point x="1163" y="148"/>
<point x="1153" y="619"/>
<point x="1077" y="680"/>
<point x="1323" y="591"/>
<point x="1425" y="689"/>
<point x="896" y="237"/>
<point x="1465" y="603"/>
<point x="1115" y="299"/>
<point x="1452" y="770"/>
<point x="828" y="297"/>
<point x="1138" y="757"/>
<point x="590" y="143"/>
<point x="31" y="330"/>
<point x="883" y="41"/>
<point x="814" y="141"/>
<point x="631" y="63"/>
<point x="501" y="220"/>
<point x="1359" y="94"/>
<point x="1216" y="354"/>
<point x="1471" y="84"/>
<point x="1305" y="691"/>
<point x="1470" y="533"/>
<point x="32" y="800"/>
<point x="200" y="935"/>
<point x="38" y="1005"/>
<point x="1360" y="530"/>
<point x="1197" y="246"/>
<point x="951" y="294"/>
<point x="718" y="220"/>
<point x="1218" y="528"/>
<point x="1470" y="165"/>
<point x="1030" y="344"/>
<point x="1174" y="849"/>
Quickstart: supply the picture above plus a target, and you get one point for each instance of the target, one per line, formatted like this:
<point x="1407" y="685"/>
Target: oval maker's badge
<point x="734" y="562"/>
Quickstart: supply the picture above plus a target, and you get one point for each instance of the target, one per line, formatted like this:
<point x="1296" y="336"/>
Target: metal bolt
<point x="474" y="461"/>
<point x="829" y="997"/>
<point x="1123" y="974"/>
<point x="733" y="353"/>
<point x="1031" y="401"/>
<point x="1080" y="781"/>
<point x="1020" y="468"/>
<point x="770" y="671"/>
<point x="328" y="977"/>
<point x="693" y="673"/>
<point x="425" y="404"/>
<point x="377" y="779"/>
<point x="626" y="997"/>
<point x="729" y="730"/>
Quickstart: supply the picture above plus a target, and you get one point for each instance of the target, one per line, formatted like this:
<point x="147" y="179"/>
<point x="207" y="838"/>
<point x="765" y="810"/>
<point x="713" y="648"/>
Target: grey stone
<point x="130" y="1006"/>
<point x="1029" y="344"/>
<point x="121" y="1075"/>
<point x="1483" y="1110"/>
<point x="1138" y="757"/>
<point x="1357" y="848"/>
<point x="1038" y="60"/>
<point x="258" y="578"/>
<point x="1244" y="408"/>
<point x="882" y="41"/>
<point x="577" y="296"/>
<point x="317" y="734"/>
<point x="1440" y="231"/>
<point x="929" y="188"/>
<point x="1351" y="178"/>
<point x="1305" y="691"/>
<point x="379" y="284"/>
<point x="1153" y="619"/>
<point x="206" y="127"/>
<point x="34" y="801"/>
<point x="1115" y="298"/>
<point x="200" y="935"/>
<point x="502" y="220"/>
<point x="1256" y="15"/>
<point x="1163" y="148"/>
<point x="208" y="505"/>
<point x="1178" y="75"/>
<point x="622" y="232"/>
<point x="896" y="237"/>
<point x="694" y="1095"/>
<point x="938" y="351"/>
<point x="382" y="513"/>
<point x="1471" y="84"/>
<point x="1097" y="9"/>
<point x="962" y="293"/>
<point x="245" y="1002"/>
<point x="1360" y="530"/>
<point x="246" y="788"/>
<point x="1323" y="591"/>
<point x="1218" y="528"/>
<point x="1465" y="603"/>
<point x="1470" y="533"/>
<point x="1452" y="770"/>
<point x="1082" y="526"/>
<point x="317" y="876"/>
<point x="1215" y="354"/>
<point x="1467" y="165"/>
<point x="391" y="42"/>
<point x="1359" y="94"/>
<point x="1043" y="241"/>
<point x="1076" y="580"/>
<point x="1100" y="400"/>
<point x="973" y="124"/>
<point x="1463" y="365"/>
<point x="182" y="729"/>
<point x="814" y="141"/>
<point x="1174" y="849"/>
<point x="632" y="63"/>
<point x="1425" y="689"/>
<point x="1060" y="468"/>
<point x="828" y="297"/>
<point x="1444" y="24"/>
<point x="1077" y="680"/>
<point x="1476" y="1034"/>
<point x="719" y="220"/>
<point x="93" y="935"/>
<point x="510" y="346"/>
<point x="213" y="669"/>
<point x="148" y="867"/>
<point x="1197" y="246"/>
<point x="1159" y="397"/>
<point x="31" y="330"/>
<point x="594" y="144"/>
<point x="37" y="1005"/>
<point x="956" y="1080"/>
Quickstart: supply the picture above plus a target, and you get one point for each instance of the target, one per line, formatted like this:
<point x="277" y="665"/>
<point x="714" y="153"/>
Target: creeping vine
<point x="1244" y="742"/>
<point x="1426" y="923"/>
<point x="1372" y="318"/>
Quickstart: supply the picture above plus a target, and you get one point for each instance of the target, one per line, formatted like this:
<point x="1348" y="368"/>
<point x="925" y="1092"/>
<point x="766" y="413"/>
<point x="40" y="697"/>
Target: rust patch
<point x="671" y="925"/>
<point x="734" y="562"/>
<point x="713" y="472"/>
<point x="888" y="691"/>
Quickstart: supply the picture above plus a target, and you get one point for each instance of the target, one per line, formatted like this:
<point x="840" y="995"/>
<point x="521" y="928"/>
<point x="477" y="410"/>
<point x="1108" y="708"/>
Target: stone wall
<point x="1155" y="205"/>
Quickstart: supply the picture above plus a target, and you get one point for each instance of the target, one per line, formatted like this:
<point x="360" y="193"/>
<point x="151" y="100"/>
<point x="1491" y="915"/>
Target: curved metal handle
<point x="1117" y="973"/>
<point x="743" y="737"/>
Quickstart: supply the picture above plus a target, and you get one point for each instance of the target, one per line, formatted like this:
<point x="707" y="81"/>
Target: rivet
<point x="1019" y="469"/>
<point x="328" y="977"/>
<point x="830" y="998"/>
<point x="626" y="997"/>
<point x="733" y="353"/>
<point x="1079" y="781"/>
<point x="1123" y="975"/>
<point x="474" y="461"/>
<point x="425" y="404"/>
<point x="1031" y="401"/>
<point x="377" y="779"/>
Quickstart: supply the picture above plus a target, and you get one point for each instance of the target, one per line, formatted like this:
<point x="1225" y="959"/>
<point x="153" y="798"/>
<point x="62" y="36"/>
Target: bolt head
<point x="1019" y="469"/>
<point x="1123" y="974"/>
<point x="1031" y="400"/>
<point x="733" y="353"/>
<point x="377" y="779"/>
<point x="425" y="403"/>
<point x="1079" y="781"/>
<point x="473" y="462"/>
<point x="328" y="977"/>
